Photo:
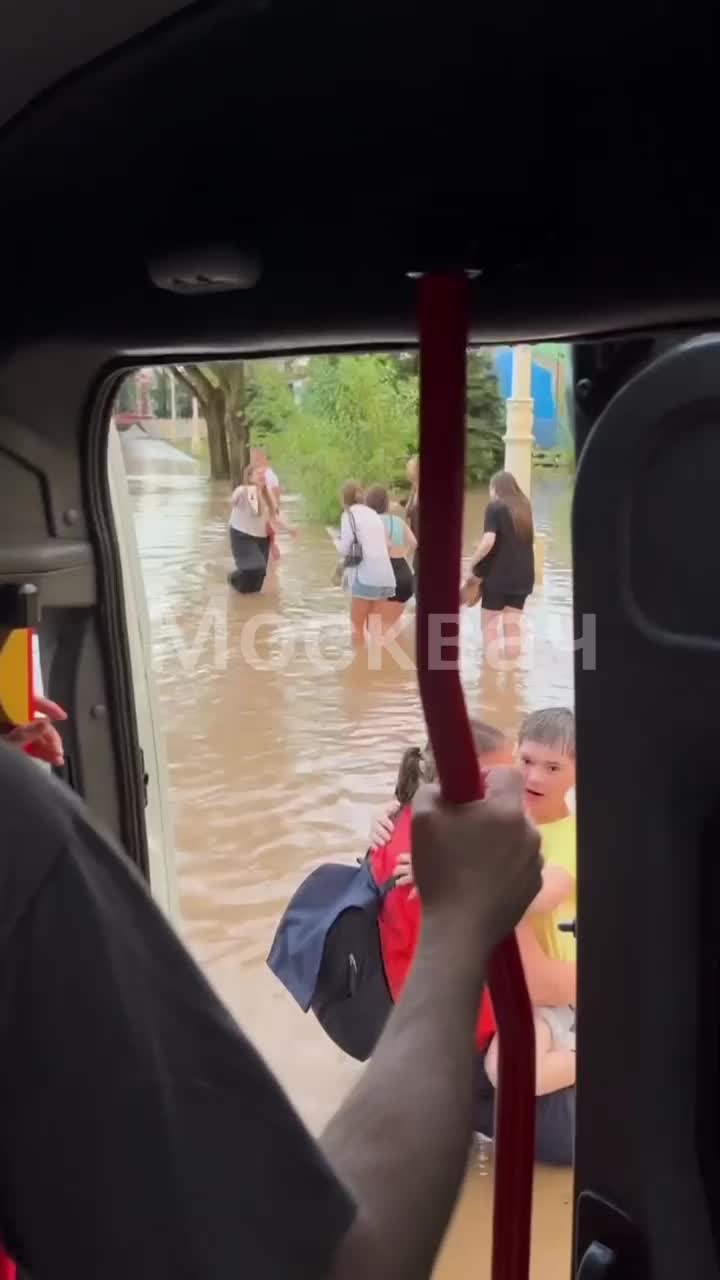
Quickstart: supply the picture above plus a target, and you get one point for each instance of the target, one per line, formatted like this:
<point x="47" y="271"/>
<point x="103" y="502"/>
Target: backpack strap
<point x="387" y="886"/>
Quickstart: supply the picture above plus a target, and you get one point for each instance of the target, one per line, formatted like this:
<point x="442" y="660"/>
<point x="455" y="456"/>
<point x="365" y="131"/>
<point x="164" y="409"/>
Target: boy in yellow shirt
<point x="546" y="755"/>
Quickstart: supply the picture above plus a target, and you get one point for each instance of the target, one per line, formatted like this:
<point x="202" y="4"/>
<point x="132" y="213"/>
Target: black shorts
<point x="497" y="600"/>
<point x="404" y="581"/>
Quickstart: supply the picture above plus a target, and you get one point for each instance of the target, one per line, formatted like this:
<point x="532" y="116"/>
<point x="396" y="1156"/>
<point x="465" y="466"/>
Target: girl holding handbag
<point x="368" y="573"/>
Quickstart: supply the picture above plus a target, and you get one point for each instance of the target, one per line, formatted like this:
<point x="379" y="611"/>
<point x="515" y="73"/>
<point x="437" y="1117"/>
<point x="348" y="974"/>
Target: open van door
<point x="646" y="546"/>
<point x="158" y="815"/>
<point x="66" y="529"/>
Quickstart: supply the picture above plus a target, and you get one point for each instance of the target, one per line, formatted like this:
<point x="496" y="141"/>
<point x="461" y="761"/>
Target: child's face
<point x="548" y="775"/>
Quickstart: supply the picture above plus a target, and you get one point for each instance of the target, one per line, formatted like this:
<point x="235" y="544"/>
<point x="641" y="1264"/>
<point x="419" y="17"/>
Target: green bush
<point x="484" y="447"/>
<point x="357" y="418"/>
<point x="271" y="406"/>
<point x="356" y="421"/>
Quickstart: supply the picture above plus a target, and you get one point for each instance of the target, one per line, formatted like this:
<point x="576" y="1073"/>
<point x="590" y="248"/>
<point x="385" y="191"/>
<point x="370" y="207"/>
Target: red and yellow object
<point x="16" y="677"/>
<point x="16" y="707"/>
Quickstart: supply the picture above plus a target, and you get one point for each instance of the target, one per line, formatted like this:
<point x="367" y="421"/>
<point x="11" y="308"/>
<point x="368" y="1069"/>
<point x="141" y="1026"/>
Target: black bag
<point x="326" y="951"/>
<point x="354" y="555"/>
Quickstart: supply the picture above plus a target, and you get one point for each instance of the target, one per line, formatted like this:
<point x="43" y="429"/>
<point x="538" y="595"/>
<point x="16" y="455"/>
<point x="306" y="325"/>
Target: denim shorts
<point x="363" y="591"/>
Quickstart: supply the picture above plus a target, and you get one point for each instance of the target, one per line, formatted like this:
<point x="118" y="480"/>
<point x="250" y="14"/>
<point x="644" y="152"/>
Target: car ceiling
<point x="346" y="146"/>
<point x="49" y="39"/>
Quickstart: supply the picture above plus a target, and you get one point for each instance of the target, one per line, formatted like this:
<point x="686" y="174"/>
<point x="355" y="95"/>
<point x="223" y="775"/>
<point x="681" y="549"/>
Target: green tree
<point x="160" y="392"/>
<point x="127" y="397"/>
<point x="221" y="390"/>
<point x="356" y="420"/>
<point x="271" y="405"/>
<point x="406" y="364"/>
<point x="485" y="411"/>
<point x="485" y="418"/>
<point x="161" y="395"/>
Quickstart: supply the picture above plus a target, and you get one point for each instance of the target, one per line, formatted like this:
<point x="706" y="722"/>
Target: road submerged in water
<point x="280" y="746"/>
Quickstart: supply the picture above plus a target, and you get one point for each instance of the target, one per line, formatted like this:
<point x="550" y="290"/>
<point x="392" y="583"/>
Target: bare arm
<point x="558" y="887"/>
<point x="410" y="539"/>
<point x="548" y="981"/>
<point x="346" y="534"/>
<point x="280" y="523"/>
<point x="484" y="546"/>
<point x="400" y="1142"/>
<point x="272" y="513"/>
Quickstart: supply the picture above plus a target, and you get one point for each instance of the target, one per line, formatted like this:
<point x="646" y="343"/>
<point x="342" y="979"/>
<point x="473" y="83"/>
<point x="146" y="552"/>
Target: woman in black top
<point x="504" y="560"/>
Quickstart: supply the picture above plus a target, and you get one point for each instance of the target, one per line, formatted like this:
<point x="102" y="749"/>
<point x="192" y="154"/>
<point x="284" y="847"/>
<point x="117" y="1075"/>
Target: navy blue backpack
<point x="326" y="951"/>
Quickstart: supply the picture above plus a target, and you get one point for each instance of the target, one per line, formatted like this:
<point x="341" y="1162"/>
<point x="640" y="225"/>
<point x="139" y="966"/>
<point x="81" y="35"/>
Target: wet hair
<point x="507" y="490"/>
<point x="418" y="764"/>
<point x="378" y="498"/>
<point x="352" y="491"/>
<point x="551" y="727"/>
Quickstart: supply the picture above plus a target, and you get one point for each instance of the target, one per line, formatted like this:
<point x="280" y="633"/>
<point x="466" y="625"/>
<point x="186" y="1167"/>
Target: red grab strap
<point x="443" y="322"/>
<point x="7" y="1268"/>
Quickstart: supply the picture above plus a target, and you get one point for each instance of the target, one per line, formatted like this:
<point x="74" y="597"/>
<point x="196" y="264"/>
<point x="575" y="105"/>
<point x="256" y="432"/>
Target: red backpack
<point x="399" y="922"/>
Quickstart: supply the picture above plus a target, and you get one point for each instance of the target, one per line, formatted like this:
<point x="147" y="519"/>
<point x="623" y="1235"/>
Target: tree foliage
<point x="243" y="402"/>
<point x="355" y="420"/>
<point x="271" y="404"/>
<point x="485" y="411"/>
<point x="330" y="418"/>
<point x="485" y="418"/>
<point x="161" y="396"/>
<point x="222" y="393"/>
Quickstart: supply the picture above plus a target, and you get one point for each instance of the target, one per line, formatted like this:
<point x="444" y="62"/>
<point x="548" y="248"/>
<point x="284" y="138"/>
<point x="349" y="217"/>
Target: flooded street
<point x="281" y="746"/>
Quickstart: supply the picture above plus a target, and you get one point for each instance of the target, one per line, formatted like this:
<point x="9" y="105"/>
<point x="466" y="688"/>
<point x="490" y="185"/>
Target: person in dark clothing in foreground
<point x="142" y="1137"/>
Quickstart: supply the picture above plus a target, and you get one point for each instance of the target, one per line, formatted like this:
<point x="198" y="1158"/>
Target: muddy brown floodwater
<point x="280" y="747"/>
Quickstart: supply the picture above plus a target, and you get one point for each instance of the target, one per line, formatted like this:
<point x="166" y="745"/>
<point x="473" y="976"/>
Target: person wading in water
<point x="368" y="572"/>
<point x="401" y="544"/>
<point x="503" y="561"/>
<point x="253" y="512"/>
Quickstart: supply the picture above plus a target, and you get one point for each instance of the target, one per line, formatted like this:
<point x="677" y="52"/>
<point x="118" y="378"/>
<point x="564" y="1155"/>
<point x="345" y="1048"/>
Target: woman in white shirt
<point x="371" y="579"/>
<point x="253" y="513"/>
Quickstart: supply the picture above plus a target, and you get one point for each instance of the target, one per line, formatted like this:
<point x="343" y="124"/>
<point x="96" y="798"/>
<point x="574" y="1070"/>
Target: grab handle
<point x="443" y="323"/>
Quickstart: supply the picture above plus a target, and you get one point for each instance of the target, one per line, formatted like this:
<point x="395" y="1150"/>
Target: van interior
<point x="253" y="178"/>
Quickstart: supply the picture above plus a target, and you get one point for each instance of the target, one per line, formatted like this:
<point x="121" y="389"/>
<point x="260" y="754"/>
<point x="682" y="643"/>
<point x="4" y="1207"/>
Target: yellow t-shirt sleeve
<point x="559" y="849"/>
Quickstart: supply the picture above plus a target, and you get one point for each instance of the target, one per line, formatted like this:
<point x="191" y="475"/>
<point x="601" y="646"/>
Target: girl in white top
<point x="372" y="579"/>
<point x="252" y="513"/>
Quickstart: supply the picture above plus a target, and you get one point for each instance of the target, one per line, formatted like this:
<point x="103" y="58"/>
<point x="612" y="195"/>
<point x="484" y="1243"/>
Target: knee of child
<point x="491" y="1062"/>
